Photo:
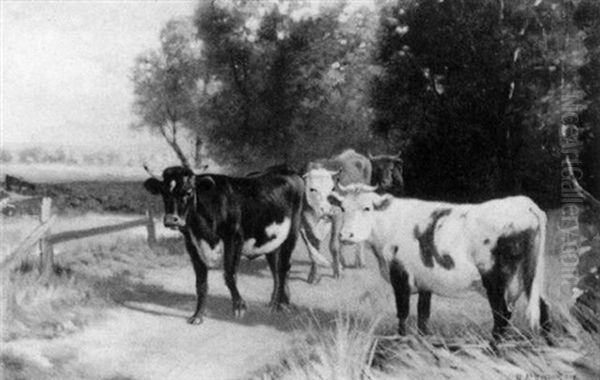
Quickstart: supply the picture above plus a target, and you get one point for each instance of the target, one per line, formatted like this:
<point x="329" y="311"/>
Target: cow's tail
<point x="537" y="260"/>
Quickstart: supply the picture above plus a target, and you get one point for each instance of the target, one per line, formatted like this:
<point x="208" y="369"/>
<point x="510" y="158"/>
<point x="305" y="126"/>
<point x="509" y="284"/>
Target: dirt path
<point x="147" y="336"/>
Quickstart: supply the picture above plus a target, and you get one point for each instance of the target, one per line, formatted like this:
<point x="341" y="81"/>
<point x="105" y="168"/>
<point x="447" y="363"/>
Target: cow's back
<point x="353" y="167"/>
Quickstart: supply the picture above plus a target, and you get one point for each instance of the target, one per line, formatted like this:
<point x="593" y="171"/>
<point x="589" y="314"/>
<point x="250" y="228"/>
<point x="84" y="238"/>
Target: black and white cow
<point x="443" y="248"/>
<point x="253" y="216"/>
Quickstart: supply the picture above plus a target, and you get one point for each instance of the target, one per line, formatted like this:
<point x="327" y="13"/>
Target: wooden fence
<point x="47" y="240"/>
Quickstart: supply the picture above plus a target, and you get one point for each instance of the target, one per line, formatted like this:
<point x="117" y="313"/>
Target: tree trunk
<point x="197" y="152"/>
<point x="179" y="153"/>
<point x="175" y="146"/>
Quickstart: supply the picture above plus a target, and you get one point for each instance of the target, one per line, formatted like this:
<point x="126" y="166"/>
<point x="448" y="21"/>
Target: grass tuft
<point x="351" y="347"/>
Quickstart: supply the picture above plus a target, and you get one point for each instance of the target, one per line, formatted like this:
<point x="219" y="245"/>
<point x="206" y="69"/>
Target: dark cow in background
<point x="318" y="218"/>
<point x="388" y="174"/>
<point x="252" y="216"/>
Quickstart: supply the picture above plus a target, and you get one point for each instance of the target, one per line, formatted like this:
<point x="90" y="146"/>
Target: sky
<point x="65" y="68"/>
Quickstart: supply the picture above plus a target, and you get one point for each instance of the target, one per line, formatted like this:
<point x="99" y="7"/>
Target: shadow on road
<point x="156" y="300"/>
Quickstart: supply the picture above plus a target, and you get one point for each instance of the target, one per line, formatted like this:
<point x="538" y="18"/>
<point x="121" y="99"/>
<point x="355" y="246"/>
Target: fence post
<point x="46" y="250"/>
<point x="150" y="227"/>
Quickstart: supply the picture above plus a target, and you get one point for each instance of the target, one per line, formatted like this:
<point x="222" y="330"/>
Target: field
<point x="116" y="309"/>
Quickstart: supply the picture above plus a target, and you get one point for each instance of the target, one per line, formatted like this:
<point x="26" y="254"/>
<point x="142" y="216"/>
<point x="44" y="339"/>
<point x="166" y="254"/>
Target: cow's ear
<point x="334" y="199"/>
<point x="205" y="183"/>
<point x="382" y="202"/>
<point x="153" y="185"/>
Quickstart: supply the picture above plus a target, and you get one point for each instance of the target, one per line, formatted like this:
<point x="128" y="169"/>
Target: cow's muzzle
<point x="347" y="238"/>
<point x="173" y="221"/>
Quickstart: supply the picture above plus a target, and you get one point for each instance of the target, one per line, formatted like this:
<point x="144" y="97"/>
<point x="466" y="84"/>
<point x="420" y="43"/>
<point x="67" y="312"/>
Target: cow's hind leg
<point x="312" y="243"/>
<point x="230" y="263"/>
<point x="399" y="280"/>
<point x="495" y="286"/>
<point x="201" y="272"/>
<point x="423" y="311"/>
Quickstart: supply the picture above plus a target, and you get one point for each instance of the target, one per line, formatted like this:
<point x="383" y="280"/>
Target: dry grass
<point x="80" y="286"/>
<point x="63" y="304"/>
<point x="362" y="348"/>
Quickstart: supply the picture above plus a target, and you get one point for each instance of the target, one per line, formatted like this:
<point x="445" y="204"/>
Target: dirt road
<point x="146" y="337"/>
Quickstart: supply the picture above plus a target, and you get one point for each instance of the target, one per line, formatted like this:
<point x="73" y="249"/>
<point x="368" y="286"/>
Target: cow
<point x="443" y="248"/>
<point x="251" y="217"/>
<point x="318" y="218"/>
<point x="387" y="174"/>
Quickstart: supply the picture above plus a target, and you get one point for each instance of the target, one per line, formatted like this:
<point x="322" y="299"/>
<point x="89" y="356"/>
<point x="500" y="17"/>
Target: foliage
<point x="587" y="20"/>
<point x="167" y="84"/>
<point x="469" y="87"/>
<point x="289" y="84"/>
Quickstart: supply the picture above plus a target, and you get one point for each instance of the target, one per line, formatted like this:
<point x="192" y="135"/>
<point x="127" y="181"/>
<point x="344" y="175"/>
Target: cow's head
<point x="387" y="170"/>
<point x="177" y="188"/>
<point x="358" y="203"/>
<point x="320" y="183"/>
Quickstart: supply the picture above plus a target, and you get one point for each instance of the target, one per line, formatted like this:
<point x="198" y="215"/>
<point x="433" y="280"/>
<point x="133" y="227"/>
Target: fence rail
<point x="47" y="240"/>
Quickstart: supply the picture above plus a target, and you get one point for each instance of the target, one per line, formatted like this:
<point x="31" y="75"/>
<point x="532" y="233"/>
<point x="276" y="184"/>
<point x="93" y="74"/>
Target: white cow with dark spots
<point x="443" y="248"/>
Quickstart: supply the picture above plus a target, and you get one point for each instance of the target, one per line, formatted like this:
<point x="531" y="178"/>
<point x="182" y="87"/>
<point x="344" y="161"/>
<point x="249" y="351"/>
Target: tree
<point x="587" y="20"/>
<point x="287" y="84"/>
<point x="167" y="84"/>
<point x="467" y="86"/>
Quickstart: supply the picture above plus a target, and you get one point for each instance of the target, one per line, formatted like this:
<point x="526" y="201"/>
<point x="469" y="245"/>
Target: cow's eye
<point x="367" y="208"/>
<point x="313" y="190"/>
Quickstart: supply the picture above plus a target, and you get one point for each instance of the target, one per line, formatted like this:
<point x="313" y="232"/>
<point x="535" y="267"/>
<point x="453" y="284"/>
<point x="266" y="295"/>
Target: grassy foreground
<point x="354" y="340"/>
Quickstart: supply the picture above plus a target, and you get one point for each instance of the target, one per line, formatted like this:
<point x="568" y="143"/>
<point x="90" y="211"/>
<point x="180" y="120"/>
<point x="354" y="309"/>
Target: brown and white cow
<point x="443" y="248"/>
<point x="318" y="217"/>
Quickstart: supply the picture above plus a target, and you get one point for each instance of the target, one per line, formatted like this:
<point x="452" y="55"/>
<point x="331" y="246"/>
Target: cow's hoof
<point x="423" y="330"/>
<point x="195" y="320"/>
<point x="401" y="329"/>
<point x="280" y="307"/>
<point x="239" y="309"/>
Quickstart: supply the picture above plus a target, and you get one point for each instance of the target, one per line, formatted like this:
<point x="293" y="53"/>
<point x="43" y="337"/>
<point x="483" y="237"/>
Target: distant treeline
<point x="77" y="156"/>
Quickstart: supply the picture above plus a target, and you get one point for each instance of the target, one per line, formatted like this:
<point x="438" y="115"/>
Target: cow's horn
<point x="150" y="172"/>
<point x="371" y="157"/>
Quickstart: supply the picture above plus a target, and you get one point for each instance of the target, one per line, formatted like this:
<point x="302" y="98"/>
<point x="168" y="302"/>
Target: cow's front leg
<point x="334" y="246"/>
<point x="399" y="280"/>
<point x="312" y="246"/>
<point x="359" y="260"/>
<point x="423" y="311"/>
<point x="233" y="247"/>
<point x="201" y="271"/>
